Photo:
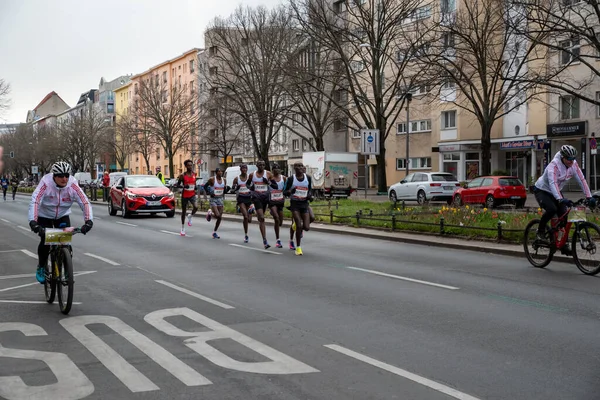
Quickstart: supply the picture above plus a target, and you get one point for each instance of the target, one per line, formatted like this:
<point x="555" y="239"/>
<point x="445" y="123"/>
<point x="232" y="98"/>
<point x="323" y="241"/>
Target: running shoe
<point x="266" y="244"/>
<point x="189" y="219"/>
<point x="208" y="215"/>
<point x="292" y="247"/>
<point x="278" y="244"/>
<point x="40" y="275"/>
<point x="182" y="233"/>
<point x="298" y="251"/>
<point x="246" y="239"/>
<point x="215" y="236"/>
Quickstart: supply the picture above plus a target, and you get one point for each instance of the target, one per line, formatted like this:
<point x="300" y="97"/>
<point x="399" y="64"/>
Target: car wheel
<point x="457" y="200"/>
<point x="421" y="199"/>
<point x="111" y="209"/>
<point x="490" y="202"/>
<point x="393" y="196"/>
<point x="170" y="214"/>
<point x="125" y="213"/>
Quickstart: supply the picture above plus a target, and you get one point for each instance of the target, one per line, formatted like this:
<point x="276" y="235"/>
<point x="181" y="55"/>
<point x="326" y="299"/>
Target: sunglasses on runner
<point x="61" y="175"/>
<point x="571" y="158"/>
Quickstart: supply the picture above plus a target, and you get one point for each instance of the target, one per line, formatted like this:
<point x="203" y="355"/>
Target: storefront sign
<point x="522" y="144"/>
<point x="570" y="129"/>
<point x="459" y="147"/>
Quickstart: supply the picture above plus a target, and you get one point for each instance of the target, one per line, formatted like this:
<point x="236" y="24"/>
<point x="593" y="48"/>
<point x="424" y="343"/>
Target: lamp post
<point x="408" y="98"/>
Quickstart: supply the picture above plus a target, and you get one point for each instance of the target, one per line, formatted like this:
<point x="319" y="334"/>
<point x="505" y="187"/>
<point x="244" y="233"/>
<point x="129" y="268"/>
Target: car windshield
<point x="510" y="182"/>
<point x="143" y="182"/>
<point x="443" y="178"/>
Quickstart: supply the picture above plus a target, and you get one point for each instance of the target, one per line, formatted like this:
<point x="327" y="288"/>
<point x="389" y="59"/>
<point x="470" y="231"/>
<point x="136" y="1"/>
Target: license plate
<point x="154" y="203"/>
<point x="515" y="197"/>
<point x="448" y="187"/>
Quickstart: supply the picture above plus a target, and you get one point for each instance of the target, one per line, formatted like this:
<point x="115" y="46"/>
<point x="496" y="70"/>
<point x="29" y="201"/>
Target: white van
<point x="115" y="176"/>
<point x="83" y="178"/>
<point x="233" y="172"/>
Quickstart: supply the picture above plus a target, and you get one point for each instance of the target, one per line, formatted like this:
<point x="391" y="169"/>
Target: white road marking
<point x="125" y="223"/>
<point x="196" y="295"/>
<point x="25" y="229"/>
<point x="29" y="253"/>
<point x="106" y="260"/>
<point x="29" y="302"/>
<point x="252" y="248"/>
<point x="403" y="278"/>
<point x="5" y="220"/>
<point x="37" y="283"/>
<point x="15" y="276"/>
<point x="403" y="373"/>
<point x="8" y="251"/>
<point x="176" y="234"/>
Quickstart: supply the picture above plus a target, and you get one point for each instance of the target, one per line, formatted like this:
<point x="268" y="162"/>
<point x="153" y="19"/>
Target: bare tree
<point x="570" y="33"/>
<point x="4" y="93"/>
<point x="246" y="55"/>
<point x="367" y="38"/>
<point x="481" y="60"/>
<point x="167" y="114"/>
<point x="73" y="143"/>
<point x="124" y="141"/>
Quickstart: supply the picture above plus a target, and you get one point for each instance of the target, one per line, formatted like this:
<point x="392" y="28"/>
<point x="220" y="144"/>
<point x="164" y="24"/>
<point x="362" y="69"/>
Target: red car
<point x="141" y="194"/>
<point x="492" y="191"/>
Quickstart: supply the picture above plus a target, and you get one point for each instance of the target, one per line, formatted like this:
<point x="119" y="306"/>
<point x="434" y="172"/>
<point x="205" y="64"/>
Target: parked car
<point x="492" y="191"/>
<point x="425" y="186"/>
<point x="141" y="194"/>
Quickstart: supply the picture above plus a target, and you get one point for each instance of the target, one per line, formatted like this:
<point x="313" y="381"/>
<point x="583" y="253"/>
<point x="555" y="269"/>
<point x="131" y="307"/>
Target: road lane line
<point x="125" y="223"/>
<point x="196" y="295"/>
<point x="25" y="229"/>
<point x="106" y="260"/>
<point x="9" y="251"/>
<point x="29" y="302"/>
<point x="252" y="248"/>
<point x="403" y="278"/>
<point x="176" y="234"/>
<point x="15" y="276"/>
<point x="29" y="253"/>
<point x="403" y="373"/>
<point x="20" y="286"/>
<point x="5" y="220"/>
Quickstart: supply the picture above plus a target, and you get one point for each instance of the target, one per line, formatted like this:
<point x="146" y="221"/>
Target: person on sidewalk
<point x="4" y="184"/>
<point x="160" y="175"/>
<point x="216" y="189"/>
<point x="105" y="186"/>
<point x="188" y="180"/>
<point x="277" y="201"/>
<point x="547" y="189"/>
<point x="298" y="188"/>
<point x="260" y="196"/>
<point x="14" y="182"/>
<point x="243" y="198"/>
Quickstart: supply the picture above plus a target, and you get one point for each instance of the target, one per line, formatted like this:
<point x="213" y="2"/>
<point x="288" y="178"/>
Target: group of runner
<point x="256" y="193"/>
<point x="5" y="182"/>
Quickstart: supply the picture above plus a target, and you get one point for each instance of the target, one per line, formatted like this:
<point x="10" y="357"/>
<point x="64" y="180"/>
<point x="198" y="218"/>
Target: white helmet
<point x="568" y="151"/>
<point x="61" y="167"/>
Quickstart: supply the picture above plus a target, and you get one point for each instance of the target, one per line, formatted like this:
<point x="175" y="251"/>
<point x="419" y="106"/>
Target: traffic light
<point x="12" y="154"/>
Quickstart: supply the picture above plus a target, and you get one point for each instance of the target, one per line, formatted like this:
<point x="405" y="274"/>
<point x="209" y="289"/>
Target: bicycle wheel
<point x="538" y="253"/>
<point x="50" y="280"/>
<point x="65" y="281"/>
<point x="585" y="245"/>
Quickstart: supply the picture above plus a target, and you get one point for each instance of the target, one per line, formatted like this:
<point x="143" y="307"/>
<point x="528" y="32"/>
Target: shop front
<point x="461" y="160"/>
<point x="574" y="134"/>
<point x="524" y="159"/>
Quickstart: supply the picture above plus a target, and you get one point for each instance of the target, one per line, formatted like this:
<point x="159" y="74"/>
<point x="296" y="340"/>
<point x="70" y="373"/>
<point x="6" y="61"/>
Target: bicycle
<point x="584" y="240"/>
<point x="59" y="275"/>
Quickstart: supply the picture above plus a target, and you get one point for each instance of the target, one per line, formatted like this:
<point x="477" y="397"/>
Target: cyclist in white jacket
<point x="50" y="207"/>
<point x="548" y="187"/>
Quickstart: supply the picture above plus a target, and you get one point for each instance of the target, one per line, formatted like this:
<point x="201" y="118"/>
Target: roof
<point x="48" y="97"/>
<point x="194" y="50"/>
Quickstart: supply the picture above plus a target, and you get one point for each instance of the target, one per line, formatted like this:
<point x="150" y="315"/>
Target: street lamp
<point x="408" y="98"/>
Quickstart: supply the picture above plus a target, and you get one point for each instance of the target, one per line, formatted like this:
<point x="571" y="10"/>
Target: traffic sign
<point x="369" y="141"/>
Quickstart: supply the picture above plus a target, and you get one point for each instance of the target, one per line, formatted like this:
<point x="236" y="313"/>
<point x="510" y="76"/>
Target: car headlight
<point x="171" y="195"/>
<point x="131" y="196"/>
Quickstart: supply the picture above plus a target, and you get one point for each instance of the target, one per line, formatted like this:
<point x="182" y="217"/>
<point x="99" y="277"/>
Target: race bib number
<point x="190" y="187"/>
<point x="244" y="190"/>
<point x="218" y="191"/>
<point x="260" y="187"/>
<point x="276" y="195"/>
<point x="301" y="193"/>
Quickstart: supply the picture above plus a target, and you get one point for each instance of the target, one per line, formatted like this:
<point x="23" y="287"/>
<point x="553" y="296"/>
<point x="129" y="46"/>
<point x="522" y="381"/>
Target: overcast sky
<point x="66" y="46"/>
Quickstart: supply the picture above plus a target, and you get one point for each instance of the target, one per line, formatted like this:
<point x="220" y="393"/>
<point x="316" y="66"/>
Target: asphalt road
<point x="165" y="317"/>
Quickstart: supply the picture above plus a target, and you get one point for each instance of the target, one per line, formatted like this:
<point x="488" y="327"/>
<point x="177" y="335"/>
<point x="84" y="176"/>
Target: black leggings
<point x="551" y="206"/>
<point x="44" y="250"/>
<point x="4" y="189"/>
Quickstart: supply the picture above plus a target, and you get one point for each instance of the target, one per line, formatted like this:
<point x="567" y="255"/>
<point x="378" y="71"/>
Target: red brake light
<point x="435" y="184"/>
<point x="457" y="184"/>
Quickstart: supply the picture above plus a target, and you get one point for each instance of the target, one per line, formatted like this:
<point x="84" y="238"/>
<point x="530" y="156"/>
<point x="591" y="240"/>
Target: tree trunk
<point x="381" y="172"/>
<point x="486" y="145"/>
<point x="319" y="143"/>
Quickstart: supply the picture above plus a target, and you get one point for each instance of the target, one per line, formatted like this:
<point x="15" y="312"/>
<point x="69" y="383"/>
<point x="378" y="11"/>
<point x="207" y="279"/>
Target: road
<point x="166" y="317"/>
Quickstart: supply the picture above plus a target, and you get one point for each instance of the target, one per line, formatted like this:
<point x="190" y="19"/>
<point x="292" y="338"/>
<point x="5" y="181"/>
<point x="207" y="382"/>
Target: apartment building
<point x="122" y="100"/>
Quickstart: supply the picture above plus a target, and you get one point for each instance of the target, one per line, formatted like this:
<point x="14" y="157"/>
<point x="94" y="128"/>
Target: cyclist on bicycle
<point x="548" y="188"/>
<point x="50" y="207"/>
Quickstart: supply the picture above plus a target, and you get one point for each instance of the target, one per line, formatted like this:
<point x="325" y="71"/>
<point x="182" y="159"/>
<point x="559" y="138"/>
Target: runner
<point x="243" y="198"/>
<point x="215" y="187"/>
<point x="276" y="201"/>
<point x="4" y="184"/>
<point x="188" y="180"/>
<point x="15" y="185"/>
<point x="260" y="196"/>
<point x="298" y="188"/>
<point x="293" y="226"/>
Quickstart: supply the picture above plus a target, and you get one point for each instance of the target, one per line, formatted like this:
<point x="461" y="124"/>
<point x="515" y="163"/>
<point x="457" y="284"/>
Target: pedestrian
<point x="260" y="196"/>
<point x="105" y="186"/>
<point x="160" y="175"/>
<point x="15" y="185"/>
<point x="188" y="180"/>
<point x="277" y="201"/>
<point x="216" y="188"/>
<point x="4" y="184"/>
<point x="298" y="188"/>
<point x="243" y="198"/>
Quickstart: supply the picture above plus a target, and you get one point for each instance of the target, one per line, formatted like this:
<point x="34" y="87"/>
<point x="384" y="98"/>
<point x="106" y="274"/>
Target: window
<point x="191" y="66"/>
<point x="156" y="81"/>
<point x="296" y="145"/>
<point x="421" y="13"/>
<point x="570" y="52"/>
<point x="415" y="163"/>
<point x="184" y="67"/>
<point x="310" y="143"/>
<point x="448" y="40"/>
<point x="191" y="87"/>
<point x="419" y="90"/>
<point x="304" y="145"/>
<point x="568" y="107"/>
<point x="356" y="66"/>
<point x="212" y="71"/>
<point x="401" y="164"/>
<point x="339" y="125"/>
<point x="448" y="6"/>
<point x="212" y="51"/>
<point x="449" y="119"/>
<point x="449" y="84"/>
<point x="110" y="108"/>
<point x="415" y="126"/>
<point x="135" y="88"/>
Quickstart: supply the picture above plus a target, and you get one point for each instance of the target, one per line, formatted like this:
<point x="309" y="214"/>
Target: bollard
<point x="331" y="216"/>
<point x="499" y="231"/>
<point x="442" y="225"/>
<point x="358" y="217"/>
<point x="393" y="222"/>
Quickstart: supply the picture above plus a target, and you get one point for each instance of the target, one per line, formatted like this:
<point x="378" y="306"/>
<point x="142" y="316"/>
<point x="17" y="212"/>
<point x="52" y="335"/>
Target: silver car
<point x="425" y="186"/>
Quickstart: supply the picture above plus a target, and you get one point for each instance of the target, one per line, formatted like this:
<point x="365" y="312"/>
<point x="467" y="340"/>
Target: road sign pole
<point x="366" y="177"/>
